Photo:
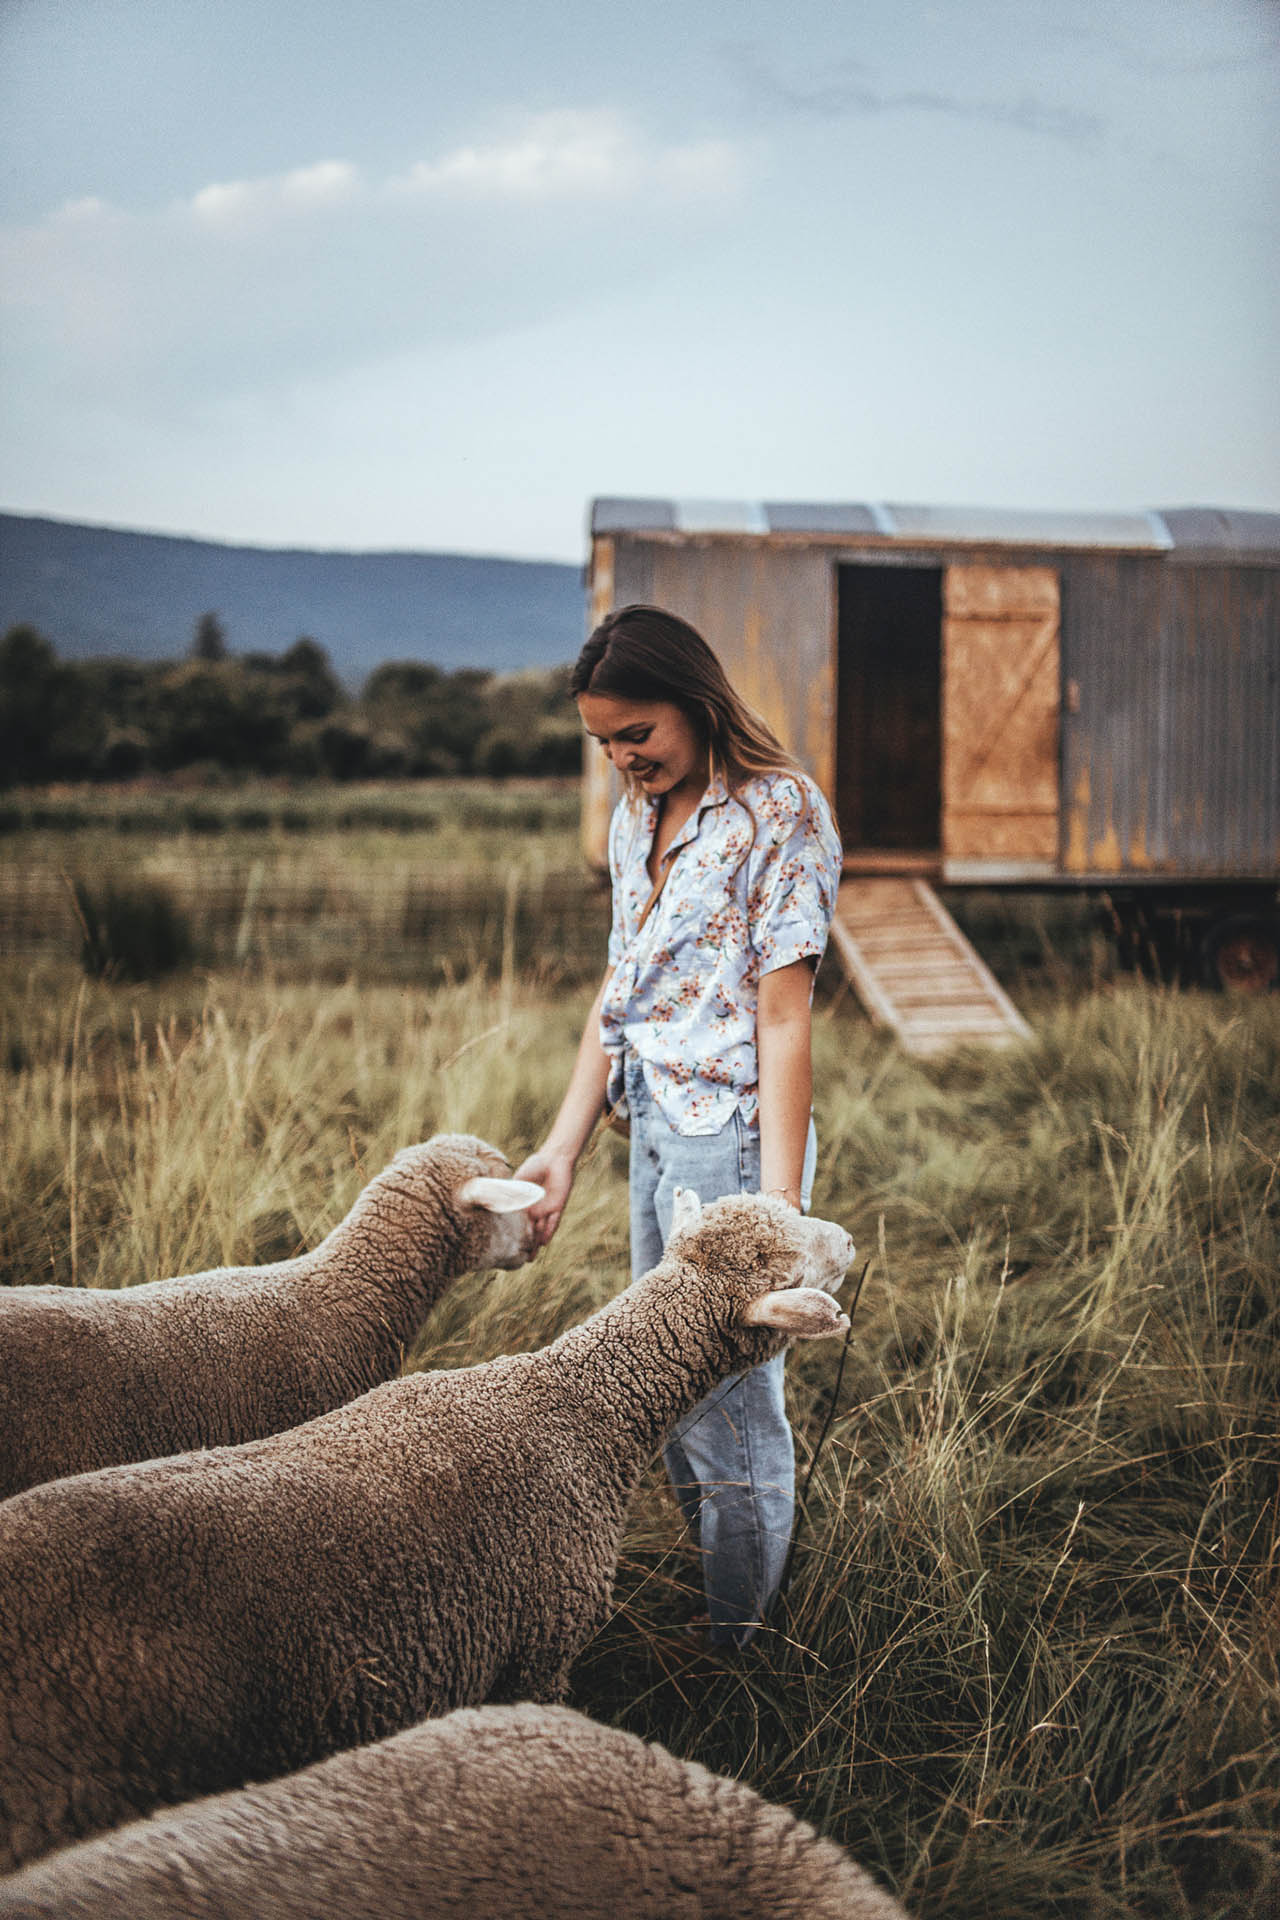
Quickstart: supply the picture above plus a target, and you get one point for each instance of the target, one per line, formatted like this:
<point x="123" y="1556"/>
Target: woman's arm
<point x="783" y="1021"/>
<point x="553" y="1165"/>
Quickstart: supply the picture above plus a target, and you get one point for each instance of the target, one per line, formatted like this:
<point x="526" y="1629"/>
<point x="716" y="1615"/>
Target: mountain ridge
<point x="95" y="591"/>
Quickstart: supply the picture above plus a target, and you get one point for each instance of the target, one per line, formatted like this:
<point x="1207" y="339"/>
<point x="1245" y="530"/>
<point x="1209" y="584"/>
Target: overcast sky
<point x="407" y="275"/>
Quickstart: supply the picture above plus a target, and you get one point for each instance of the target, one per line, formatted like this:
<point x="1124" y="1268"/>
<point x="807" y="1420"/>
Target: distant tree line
<point x="287" y="713"/>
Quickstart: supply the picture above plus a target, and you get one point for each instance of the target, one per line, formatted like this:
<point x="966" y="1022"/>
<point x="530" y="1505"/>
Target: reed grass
<point x="1027" y="1663"/>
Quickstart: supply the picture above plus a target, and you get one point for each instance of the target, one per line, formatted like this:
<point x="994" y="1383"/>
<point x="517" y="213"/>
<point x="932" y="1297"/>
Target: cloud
<point x="570" y="155"/>
<point x="329" y="183"/>
<point x="251" y="281"/>
<point x="88" y="207"/>
<point x="563" y="156"/>
<point x="850" y="92"/>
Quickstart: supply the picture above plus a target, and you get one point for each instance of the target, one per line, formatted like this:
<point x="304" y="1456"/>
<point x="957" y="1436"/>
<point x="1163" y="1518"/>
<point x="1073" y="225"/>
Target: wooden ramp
<point x="914" y="971"/>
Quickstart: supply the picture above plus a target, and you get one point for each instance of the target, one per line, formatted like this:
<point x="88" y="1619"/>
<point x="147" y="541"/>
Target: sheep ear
<point x="806" y="1313"/>
<point x="498" y="1196"/>
<point x="686" y="1210"/>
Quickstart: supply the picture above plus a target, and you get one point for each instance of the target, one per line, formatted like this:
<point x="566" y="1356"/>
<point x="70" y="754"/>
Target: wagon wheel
<point x="1242" y="953"/>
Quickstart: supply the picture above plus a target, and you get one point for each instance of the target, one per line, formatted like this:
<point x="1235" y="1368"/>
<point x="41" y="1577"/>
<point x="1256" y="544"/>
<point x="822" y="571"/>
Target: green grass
<point x="1027" y="1664"/>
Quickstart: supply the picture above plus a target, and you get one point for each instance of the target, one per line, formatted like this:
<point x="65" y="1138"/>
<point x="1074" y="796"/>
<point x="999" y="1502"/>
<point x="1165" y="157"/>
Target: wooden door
<point x="1000" y="704"/>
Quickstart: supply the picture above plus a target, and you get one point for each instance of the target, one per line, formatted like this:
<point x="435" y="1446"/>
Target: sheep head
<point x="486" y="1217"/>
<point x="502" y="1206"/>
<point x="779" y="1268"/>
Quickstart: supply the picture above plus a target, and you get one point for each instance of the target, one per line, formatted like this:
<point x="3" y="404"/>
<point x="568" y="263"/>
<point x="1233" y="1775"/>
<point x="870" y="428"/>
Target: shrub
<point x="131" y="933"/>
<point x="123" y="755"/>
<point x="548" y="745"/>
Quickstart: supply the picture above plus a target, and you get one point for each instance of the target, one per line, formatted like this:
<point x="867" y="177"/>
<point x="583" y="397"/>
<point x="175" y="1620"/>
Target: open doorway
<point x="889" y="709"/>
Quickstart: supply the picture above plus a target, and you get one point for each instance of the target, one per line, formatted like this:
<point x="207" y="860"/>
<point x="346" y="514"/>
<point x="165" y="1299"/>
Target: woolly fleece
<point x="91" y="1378"/>
<point x="510" y="1813"/>
<point x="181" y="1626"/>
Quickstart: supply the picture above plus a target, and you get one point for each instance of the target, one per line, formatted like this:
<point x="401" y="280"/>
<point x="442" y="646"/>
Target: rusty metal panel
<point x="599" y="782"/>
<point x="1170" y="684"/>
<point x="621" y="576"/>
<point x="1221" y="656"/>
<point x="632" y="575"/>
<point x="769" y="614"/>
<point x="1171" y="756"/>
<point x="1000" y="697"/>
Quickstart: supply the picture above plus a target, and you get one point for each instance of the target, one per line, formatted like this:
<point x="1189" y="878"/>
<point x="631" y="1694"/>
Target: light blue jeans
<point x="731" y="1460"/>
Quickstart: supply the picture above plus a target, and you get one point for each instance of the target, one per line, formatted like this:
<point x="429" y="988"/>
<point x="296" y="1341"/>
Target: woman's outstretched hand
<point x="553" y="1165"/>
<point x="554" y="1172"/>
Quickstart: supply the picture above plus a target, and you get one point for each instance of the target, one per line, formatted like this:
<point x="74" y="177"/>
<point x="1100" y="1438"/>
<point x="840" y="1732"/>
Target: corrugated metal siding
<point x="627" y="583"/>
<point x="599" y="782"/>
<point x="1170" y="763"/>
<point x="632" y="574"/>
<point x="1171" y="675"/>
<point x="769" y="615"/>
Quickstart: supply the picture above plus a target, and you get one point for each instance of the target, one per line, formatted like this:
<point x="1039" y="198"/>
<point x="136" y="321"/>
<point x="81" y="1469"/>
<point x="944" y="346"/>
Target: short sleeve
<point x="794" y="872"/>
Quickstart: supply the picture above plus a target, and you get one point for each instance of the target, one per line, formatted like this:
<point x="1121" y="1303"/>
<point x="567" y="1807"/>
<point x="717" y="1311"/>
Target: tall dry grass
<point x="408" y="882"/>
<point x="1027" y="1662"/>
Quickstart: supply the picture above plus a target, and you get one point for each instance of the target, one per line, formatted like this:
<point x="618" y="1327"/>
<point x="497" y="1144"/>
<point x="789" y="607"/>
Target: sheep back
<point x="510" y="1812"/>
<point x="181" y="1626"/>
<point x="98" y="1377"/>
<point x="93" y="1378"/>
<point x="184" y="1625"/>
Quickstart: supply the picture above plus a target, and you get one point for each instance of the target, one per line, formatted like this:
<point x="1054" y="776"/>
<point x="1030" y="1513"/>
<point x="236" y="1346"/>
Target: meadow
<point x="1027" y="1662"/>
<point x="411" y="880"/>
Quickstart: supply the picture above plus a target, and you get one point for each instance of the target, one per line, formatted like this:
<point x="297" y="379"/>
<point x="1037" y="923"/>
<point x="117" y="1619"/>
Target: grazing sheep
<point x="510" y="1813"/>
<point x="181" y="1626"/>
<point x="96" y="1377"/>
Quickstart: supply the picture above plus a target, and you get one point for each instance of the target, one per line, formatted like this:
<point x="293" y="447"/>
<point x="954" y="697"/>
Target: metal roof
<point x="1224" y="531"/>
<point x="1218" y="533"/>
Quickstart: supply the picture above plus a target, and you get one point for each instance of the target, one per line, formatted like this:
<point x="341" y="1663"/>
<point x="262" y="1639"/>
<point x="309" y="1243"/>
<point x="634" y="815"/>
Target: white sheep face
<point x="805" y="1310"/>
<point x="825" y="1253"/>
<point x="802" y="1307"/>
<point x="503" y="1205"/>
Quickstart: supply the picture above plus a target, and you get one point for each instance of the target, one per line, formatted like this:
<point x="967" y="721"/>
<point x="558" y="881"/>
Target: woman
<point x="725" y="863"/>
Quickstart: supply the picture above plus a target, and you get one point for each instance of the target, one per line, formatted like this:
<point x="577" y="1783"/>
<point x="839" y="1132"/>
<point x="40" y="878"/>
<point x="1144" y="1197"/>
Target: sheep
<point x="181" y="1626"/>
<point x="97" y="1377"/>
<point x="514" y="1813"/>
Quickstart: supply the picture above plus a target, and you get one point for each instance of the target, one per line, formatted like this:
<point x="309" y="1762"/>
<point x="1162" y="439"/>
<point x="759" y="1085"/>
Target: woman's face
<point x="652" y="740"/>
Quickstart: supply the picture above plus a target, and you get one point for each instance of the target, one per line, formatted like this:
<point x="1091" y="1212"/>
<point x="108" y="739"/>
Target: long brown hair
<point x="645" y="653"/>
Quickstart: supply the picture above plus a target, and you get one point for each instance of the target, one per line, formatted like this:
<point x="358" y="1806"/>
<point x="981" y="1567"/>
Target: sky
<point x="411" y="276"/>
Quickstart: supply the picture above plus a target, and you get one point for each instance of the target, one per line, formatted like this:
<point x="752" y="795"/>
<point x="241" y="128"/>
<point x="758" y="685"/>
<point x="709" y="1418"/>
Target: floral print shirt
<point x="742" y="900"/>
